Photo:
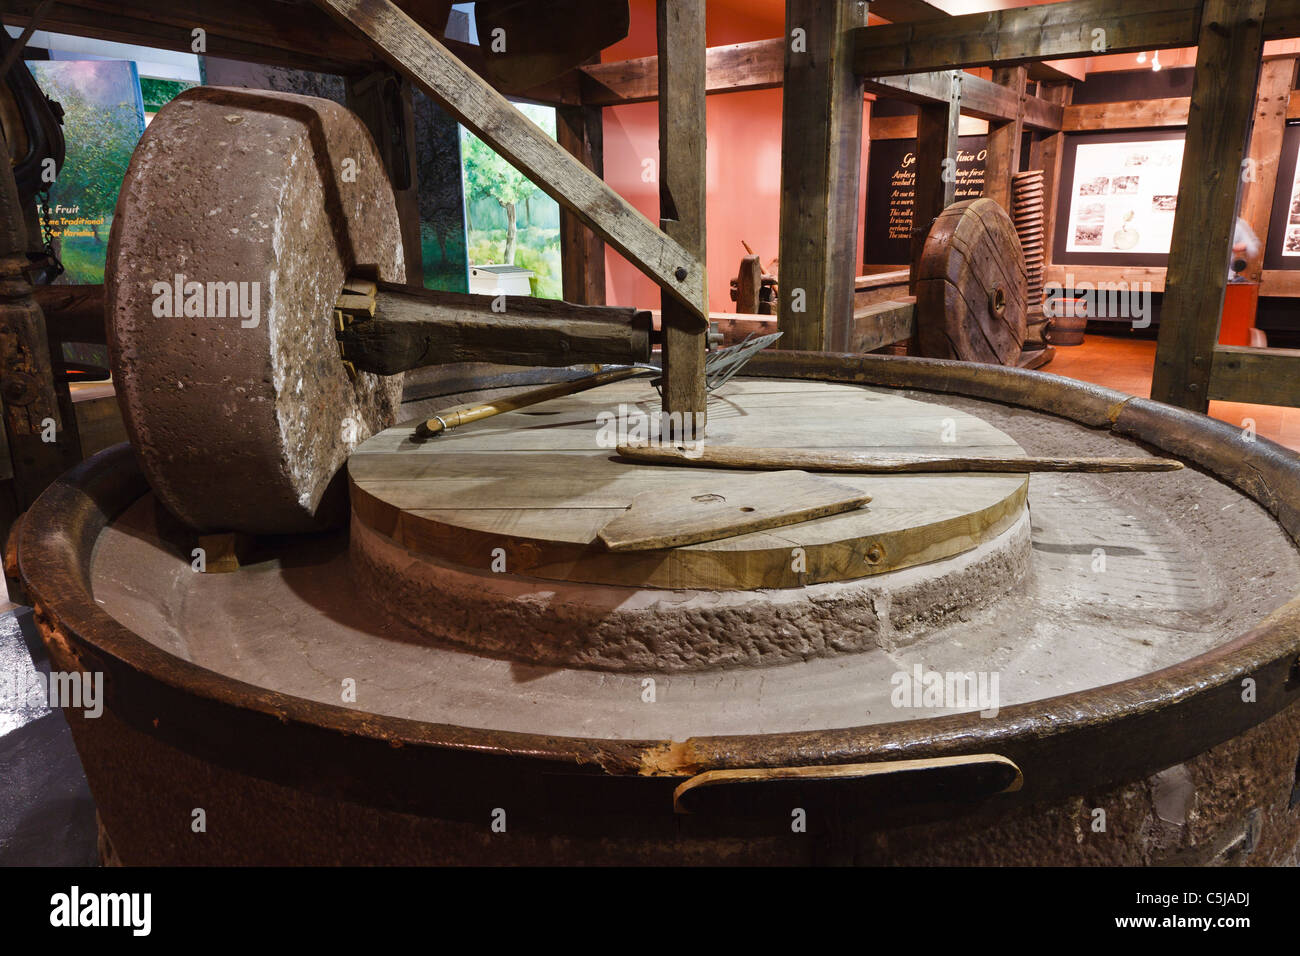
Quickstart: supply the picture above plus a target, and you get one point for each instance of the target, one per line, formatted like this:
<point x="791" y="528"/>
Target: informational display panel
<point x="1119" y="198"/>
<point x="1282" y="250"/>
<point x="891" y="196"/>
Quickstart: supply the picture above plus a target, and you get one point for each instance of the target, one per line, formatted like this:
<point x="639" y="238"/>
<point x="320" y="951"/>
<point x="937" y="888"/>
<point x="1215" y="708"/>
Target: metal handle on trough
<point x="762" y="790"/>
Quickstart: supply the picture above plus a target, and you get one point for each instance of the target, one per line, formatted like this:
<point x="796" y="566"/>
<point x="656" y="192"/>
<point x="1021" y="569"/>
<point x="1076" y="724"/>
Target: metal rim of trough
<point x="1113" y="733"/>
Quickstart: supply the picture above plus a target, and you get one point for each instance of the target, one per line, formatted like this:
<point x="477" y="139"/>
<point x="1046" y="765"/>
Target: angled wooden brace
<point x="464" y="94"/>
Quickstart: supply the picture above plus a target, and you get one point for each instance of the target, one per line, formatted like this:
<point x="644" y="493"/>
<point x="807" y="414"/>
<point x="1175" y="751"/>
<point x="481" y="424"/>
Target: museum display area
<point x="653" y="433"/>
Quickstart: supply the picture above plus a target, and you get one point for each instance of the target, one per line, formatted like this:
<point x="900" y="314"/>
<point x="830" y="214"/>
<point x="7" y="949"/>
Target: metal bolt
<point x="875" y="555"/>
<point x="680" y="273"/>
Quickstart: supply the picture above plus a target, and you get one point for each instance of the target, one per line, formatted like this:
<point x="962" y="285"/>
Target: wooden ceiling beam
<point x="760" y="65"/>
<point x="1054" y="31"/>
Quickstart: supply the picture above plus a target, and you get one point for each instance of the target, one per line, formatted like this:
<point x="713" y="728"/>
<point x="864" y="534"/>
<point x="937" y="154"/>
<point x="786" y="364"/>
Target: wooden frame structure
<point x="919" y="57"/>
<point x="1191" y="369"/>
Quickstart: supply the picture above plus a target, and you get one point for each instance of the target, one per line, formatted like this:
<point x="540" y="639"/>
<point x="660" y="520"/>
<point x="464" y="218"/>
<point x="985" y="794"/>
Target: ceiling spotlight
<point x="1142" y="57"/>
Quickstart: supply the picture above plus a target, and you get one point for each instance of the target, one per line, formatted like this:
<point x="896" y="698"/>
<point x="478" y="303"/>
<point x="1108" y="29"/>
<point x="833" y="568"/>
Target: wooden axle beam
<point x="401" y="329"/>
<point x="468" y="97"/>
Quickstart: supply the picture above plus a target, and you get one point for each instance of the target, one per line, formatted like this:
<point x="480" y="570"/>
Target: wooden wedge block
<point x="725" y="506"/>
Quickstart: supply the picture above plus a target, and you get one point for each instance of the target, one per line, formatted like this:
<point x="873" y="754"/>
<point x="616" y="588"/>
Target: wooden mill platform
<point x="539" y="483"/>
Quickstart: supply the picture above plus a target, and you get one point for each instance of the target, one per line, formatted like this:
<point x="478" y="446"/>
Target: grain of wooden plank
<point x="1136" y="114"/>
<point x="726" y="506"/>
<point x="464" y="94"/>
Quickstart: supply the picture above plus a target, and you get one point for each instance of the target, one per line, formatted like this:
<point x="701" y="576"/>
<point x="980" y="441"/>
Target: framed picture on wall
<point x="1118" y="198"/>
<point x="1282" y="245"/>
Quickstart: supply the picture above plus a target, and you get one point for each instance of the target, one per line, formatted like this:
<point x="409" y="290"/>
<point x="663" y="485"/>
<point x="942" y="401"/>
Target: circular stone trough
<point x="300" y="694"/>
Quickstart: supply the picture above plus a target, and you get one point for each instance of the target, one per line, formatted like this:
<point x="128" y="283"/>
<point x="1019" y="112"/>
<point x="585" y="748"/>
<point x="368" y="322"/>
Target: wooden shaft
<point x="413" y="328"/>
<point x="682" y="178"/>
<point x="715" y="456"/>
<point x="465" y="414"/>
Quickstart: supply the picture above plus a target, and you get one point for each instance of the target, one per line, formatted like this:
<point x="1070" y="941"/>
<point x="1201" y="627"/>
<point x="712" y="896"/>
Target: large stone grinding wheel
<point x="246" y="428"/>
<point x="972" y="288"/>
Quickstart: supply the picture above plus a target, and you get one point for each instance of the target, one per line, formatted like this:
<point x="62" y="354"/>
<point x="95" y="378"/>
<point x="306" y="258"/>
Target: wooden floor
<point x="1126" y="364"/>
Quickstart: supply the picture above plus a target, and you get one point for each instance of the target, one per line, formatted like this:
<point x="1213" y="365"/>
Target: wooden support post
<point x="1276" y="81"/>
<point x="522" y="143"/>
<point x="580" y="130"/>
<point x="1223" y="108"/>
<point x="682" y="186"/>
<point x="936" y="167"/>
<point x="383" y="101"/>
<point x="1004" y="139"/>
<point x="39" y="428"/>
<point x="1045" y="154"/>
<point x="821" y="159"/>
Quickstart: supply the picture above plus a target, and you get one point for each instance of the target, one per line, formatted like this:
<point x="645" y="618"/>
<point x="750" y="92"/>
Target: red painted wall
<point x="744" y="157"/>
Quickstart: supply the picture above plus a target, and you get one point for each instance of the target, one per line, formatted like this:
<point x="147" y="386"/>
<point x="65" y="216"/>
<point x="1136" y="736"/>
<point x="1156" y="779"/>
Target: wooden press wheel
<point x="972" y="290"/>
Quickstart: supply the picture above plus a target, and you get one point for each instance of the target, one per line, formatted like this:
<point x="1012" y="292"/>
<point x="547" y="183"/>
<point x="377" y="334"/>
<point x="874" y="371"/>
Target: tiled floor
<point x="1125" y="364"/>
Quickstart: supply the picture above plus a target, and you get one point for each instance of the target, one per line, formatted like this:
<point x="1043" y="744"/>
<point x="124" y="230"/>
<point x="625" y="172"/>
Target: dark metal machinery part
<point x="397" y="790"/>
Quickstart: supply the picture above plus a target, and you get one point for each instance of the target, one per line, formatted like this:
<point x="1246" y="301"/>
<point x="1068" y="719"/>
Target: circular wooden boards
<point x="971" y="295"/>
<point x="527" y="492"/>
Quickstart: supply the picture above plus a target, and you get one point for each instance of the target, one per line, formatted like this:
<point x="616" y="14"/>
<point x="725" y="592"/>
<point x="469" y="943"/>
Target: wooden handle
<point x="387" y="329"/>
<point x="764" y="791"/>
<point x="464" y="414"/>
<point x="723" y="456"/>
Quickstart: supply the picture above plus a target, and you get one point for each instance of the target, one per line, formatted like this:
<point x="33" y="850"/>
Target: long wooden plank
<point x="1256" y="376"/>
<point x="1049" y="31"/>
<point x="1133" y="114"/>
<point x="464" y="94"/>
<point x="726" y="506"/>
<point x="821" y="157"/>
<point x="874" y="463"/>
<point x="1223" y="109"/>
<point x="682" y="199"/>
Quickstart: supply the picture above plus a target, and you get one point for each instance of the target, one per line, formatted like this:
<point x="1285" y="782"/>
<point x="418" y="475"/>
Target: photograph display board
<point x="1282" y="248"/>
<point x="1121" y="198"/>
